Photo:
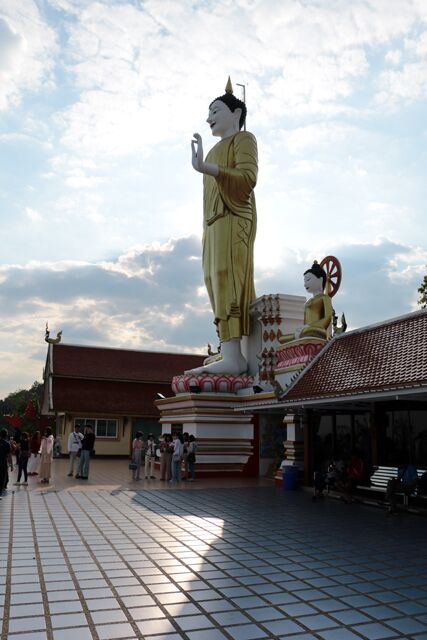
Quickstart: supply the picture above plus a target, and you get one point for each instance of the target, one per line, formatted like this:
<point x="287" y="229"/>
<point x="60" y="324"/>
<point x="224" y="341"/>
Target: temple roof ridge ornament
<point x="49" y="340"/>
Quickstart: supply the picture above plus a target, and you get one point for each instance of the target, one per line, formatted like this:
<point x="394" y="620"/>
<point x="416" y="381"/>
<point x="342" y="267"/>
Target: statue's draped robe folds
<point x="229" y="227"/>
<point x="318" y="314"/>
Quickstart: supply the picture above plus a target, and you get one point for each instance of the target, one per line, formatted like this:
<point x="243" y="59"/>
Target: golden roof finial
<point x="229" y="86"/>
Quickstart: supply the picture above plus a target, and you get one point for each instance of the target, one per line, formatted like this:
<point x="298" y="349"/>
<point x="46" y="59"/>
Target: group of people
<point x="81" y="446"/>
<point x="342" y="475"/>
<point x="345" y="476"/>
<point x="34" y="453"/>
<point x="177" y="457"/>
<point x="33" y="456"/>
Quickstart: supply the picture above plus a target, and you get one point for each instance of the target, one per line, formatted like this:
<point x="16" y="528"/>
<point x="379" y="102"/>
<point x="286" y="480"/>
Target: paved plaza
<point x="210" y="563"/>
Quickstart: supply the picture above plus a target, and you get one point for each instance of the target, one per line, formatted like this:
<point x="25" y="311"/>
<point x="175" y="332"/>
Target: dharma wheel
<point x="332" y="266"/>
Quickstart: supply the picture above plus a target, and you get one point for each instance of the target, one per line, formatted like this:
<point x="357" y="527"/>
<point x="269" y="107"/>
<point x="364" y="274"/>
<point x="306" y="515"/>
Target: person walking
<point x="150" y="456"/>
<point x="192" y="448"/>
<point x="74" y="446"/>
<point x="137" y="446"/>
<point x="33" y="462"/>
<point x="165" y="457"/>
<point x="86" y="450"/>
<point x="46" y="455"/>
<point x="5" y="460"/>
<point x="178" y="449"/>
<point x="23" y="455"/>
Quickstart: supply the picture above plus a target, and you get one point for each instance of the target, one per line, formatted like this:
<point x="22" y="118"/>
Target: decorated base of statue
<point x="210" y="383"/>
<point x="295" y="355"/>
<point x="224" y="436"/>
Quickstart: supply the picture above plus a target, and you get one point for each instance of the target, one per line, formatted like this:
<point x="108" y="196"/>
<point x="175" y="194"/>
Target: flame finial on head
<point x="229" y="86"/>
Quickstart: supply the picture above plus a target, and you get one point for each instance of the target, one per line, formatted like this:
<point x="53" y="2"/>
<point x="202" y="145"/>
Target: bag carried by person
<point x="133" y="466"/>
<point x="150" y="449"/>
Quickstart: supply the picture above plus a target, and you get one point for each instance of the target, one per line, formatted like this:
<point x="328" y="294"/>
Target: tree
<point x="422" y="290"/>
<point x="16" y="402"/>
<point x="22" y="408"/>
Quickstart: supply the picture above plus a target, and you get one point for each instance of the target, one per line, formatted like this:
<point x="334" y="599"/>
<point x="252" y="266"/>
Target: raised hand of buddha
<point x="197" y="152"/>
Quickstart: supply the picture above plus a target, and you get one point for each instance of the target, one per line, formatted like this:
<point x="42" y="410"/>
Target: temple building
<point x="111" y="389"/>
<point x="365" y="390"/>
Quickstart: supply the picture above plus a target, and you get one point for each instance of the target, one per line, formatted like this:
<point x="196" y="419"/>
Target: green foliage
<point x="422" y="290"/>
<point x="16" y="402"/>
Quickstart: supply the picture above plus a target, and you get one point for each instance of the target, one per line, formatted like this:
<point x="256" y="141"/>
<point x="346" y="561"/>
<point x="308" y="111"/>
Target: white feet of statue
<point x="231" y="363"/>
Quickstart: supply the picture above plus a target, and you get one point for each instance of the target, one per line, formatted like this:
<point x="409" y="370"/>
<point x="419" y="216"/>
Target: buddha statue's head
<point x="315" y="279"/>
<point x="227" y="114"/>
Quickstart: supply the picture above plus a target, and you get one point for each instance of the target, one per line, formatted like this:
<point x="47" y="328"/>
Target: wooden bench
<point x="379" y="480"/>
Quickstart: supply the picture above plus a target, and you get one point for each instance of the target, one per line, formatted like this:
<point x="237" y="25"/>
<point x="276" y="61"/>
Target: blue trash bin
<point x="290" y="478"/>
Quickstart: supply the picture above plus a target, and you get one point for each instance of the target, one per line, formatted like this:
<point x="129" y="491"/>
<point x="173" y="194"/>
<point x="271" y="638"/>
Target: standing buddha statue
<point x="229" y="226"/>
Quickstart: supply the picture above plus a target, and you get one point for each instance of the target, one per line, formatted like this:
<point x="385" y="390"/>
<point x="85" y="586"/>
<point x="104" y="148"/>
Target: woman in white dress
<point x="46" y="455"/>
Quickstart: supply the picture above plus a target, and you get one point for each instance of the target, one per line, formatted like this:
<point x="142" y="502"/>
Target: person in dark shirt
<point x="87" y="448"/>
<point x="5" y="461"/>
<point x="406" y="482"/>
<point x="23" y="455"/>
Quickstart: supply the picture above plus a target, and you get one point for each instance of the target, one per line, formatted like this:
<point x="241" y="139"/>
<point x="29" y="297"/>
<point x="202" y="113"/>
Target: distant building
<point x="112" y="389"/>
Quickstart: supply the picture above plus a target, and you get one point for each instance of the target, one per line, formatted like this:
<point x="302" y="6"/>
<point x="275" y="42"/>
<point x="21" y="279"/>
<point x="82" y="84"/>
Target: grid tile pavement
<point x="208" y="564"/>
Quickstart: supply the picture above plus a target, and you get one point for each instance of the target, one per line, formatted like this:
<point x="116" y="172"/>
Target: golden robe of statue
<point x="318" y="314"/>
<point x="229" y="227"/>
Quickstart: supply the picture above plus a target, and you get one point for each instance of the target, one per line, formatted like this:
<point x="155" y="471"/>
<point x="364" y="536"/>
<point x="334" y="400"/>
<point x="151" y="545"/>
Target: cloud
<point x="130" y="63"/>
<point x="99" y="100"/>
<point x="317" y="136"/>
<point x="139" y="300"/>
<point x="407" y="85"/>
<point x="152" y="297"/>
<point x="27" y="49"/>
<point x="379" y="281"/>
<point x="394" y="56"/>
<point x="33" y="215"/>
<point x="127" y="102"/>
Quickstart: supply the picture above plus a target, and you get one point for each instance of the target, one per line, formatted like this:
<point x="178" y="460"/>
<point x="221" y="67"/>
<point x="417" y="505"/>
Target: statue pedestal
<point x="210" y="383"/>
<point x="272" y="315"/>
<point x="224" y="436"/>
<point x="293" y="356"/>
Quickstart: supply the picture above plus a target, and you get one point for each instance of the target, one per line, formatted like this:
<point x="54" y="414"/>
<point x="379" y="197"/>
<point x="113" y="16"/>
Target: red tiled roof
<point x="107" y="397"/>
<point x="387" y="356"/>
<point x="120" y="364"/>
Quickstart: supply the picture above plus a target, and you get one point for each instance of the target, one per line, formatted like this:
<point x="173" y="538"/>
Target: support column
<point x="377" y="426"/>
<point x="308" y="463"/>
<point x="294" y="445"/>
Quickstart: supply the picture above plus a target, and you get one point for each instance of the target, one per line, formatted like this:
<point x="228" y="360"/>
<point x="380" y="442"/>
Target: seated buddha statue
<point x="318" y="310"/>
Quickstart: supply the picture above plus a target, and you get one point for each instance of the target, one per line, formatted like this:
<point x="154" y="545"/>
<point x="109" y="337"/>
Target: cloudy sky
<point x="100" y="209"/>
